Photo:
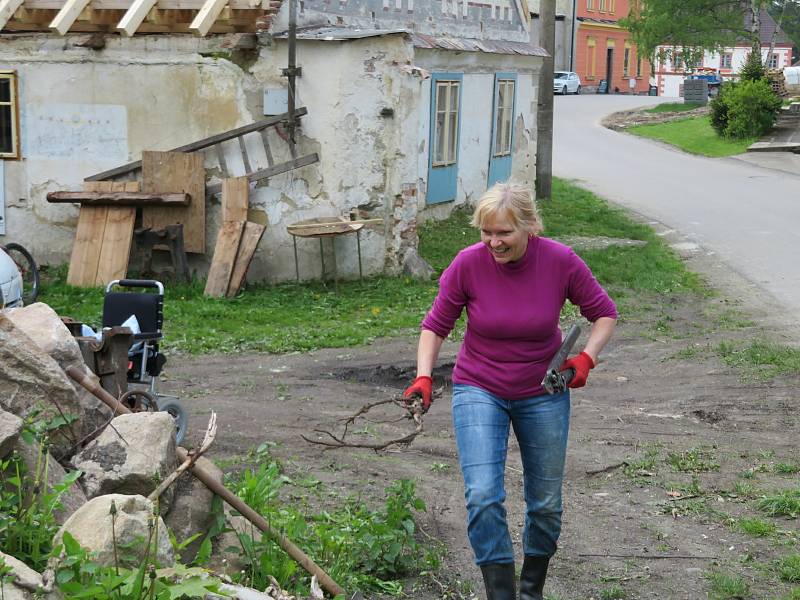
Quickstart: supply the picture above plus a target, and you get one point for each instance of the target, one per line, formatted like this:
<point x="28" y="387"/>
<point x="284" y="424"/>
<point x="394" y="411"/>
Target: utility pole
<point x="544" y="119"/>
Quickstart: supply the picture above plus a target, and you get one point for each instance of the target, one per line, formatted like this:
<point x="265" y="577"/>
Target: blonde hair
<point x="513" y="199"/>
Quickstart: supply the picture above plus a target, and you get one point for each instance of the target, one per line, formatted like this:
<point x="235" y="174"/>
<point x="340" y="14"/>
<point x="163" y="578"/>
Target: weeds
<point x="755" y="526"/>
<point x="760" y="360"/>
<point x="695" y="460"/>
<point x="782" y="503"/>
<point x="789" y="568"/>
<point x="727" y="587"/>
<point x="615" y="592"/>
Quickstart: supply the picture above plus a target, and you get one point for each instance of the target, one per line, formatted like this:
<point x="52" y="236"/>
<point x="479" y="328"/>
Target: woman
<point x="513" y="285"/>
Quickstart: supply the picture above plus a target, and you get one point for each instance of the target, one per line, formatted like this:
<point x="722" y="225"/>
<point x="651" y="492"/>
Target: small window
<point x="773" y="61"/>
<point x="505" y="108"/>
<point x="602" y="5"/>
<point x="638" y="66"/>
<point x="589" y="4"/>
<point x="9" y="116"/>
<point x="677" y="61"/>
<point x="626" y="60"/>
<point x="590" y="50"/>
<point x="726" y="60"/>
<point x="445" y="133"/>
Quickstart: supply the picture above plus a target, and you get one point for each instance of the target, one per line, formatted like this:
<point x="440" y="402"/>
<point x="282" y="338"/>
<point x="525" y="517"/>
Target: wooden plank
<point x="204" y="143"/>
<point x="86" y="248"/>
<point x="132" y="186"/>
<point x="124" y="5"/>
<point x="206" y="16"/>
<point x="170" y="172"/>
<point x="219" y="274"/>
<point x="67" y="15"/>
<point x="122" y="198"/>
<point x="251" y="236"/>
<point x="7" y="10"/>
<point x="134" y="16"/>
<point x="116" y="248"/>
<point x="235" y="198"/>
<point x="283" y="167"/>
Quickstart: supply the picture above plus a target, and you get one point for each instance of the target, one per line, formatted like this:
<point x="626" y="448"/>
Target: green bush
<point x="744" y="110"/>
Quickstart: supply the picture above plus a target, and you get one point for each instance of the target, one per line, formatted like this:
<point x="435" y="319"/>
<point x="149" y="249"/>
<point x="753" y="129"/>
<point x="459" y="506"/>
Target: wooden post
<point x="544" y="118"/>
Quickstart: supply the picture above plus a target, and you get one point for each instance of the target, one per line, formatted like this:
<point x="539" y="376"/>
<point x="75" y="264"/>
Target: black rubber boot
<point x="500" y="581"/>
<point x="531" y="580"/>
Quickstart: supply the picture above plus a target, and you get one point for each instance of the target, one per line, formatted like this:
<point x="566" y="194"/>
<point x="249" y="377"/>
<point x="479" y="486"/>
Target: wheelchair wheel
<point x="178" y="413"/>
<point x="28" y="270"/>
<point x="139" y="401"/>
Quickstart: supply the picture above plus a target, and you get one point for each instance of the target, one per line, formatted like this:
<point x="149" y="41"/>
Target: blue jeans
<point x="541" y="424"/>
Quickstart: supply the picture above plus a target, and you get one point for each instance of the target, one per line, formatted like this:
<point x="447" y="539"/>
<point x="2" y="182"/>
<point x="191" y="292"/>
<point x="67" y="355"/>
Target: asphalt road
<point x="745" y="214"/>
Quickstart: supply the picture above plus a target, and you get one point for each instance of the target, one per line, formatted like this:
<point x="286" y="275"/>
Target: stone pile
<point x="122" y="462"/>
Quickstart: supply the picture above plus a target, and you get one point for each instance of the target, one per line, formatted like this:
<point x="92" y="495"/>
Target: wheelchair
<point x="145" y="361"/>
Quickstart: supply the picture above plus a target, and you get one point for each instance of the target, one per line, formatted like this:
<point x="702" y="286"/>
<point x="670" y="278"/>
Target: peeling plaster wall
<point x="83" y="111"/>
<point x="476" y="126"/>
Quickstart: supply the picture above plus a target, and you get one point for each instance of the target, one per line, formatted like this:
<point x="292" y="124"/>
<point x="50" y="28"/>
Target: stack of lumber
<point x="778" y="82"/>
<point x="237" y="241"/>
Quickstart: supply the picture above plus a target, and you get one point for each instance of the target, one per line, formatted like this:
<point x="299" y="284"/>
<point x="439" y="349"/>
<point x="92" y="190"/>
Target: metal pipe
<point x="572" y="39"/>
<point x="291" y="71"/>
<point x="80" y="376"/>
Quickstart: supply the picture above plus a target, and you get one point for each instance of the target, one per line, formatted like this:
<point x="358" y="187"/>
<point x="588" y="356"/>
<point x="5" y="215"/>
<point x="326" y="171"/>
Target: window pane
<point x="498" y="132"/>
<point x="507" y="131"/>
<point x="454" y="97"/>
<point x="453" y="138"/>
<point x="510" y="95"/>
<point x="441" y="95"/>
<point x="5" y="90"/>
<point x="6" y="140"/>
<point x="438" y="138"/>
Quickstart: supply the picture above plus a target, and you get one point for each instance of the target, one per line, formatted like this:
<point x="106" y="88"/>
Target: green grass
<point x="760" y="359"/>
<point x="300" y="317"/>
<point x="789" y="568"/>
<point x="781" y="503"/>
<point x="694" y="135"/>
<point x="727" y="587"/>
<point x="673" y="107"/>
<point x="695" y="460"/>
<point x="755" y="526"/>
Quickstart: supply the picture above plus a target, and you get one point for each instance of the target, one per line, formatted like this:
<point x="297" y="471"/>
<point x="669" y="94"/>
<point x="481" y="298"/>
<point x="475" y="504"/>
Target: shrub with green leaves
<point x="753" y="68"/>
<point x="745" y="110"/>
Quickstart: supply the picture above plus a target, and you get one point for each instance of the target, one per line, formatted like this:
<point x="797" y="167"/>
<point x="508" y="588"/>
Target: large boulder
<point x="91" y="526"/>
<point x="33" y="456"/>
<point x="43" y="325"/>
<point x="10" y="427"/>
<point x="132" y="455"/>
<point x="25" y="583"/>
<point x="191" y="508"/>
<point x="32" y="382"/>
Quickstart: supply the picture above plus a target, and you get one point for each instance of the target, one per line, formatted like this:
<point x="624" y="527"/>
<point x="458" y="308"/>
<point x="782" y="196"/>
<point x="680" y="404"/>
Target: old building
<point x="413" y="107"/>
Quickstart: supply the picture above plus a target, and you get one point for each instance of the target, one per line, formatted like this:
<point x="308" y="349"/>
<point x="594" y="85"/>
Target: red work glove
<point x="582" y="363"/>
<point x="422" y="386"/>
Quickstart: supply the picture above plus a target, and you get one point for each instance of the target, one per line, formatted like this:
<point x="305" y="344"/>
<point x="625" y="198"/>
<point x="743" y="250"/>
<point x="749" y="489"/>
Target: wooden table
<point x="325" y="227"/>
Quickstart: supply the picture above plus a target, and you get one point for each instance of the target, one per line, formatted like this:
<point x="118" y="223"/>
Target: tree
<point x="787" y="14"/>
<point x="693" y="26"/>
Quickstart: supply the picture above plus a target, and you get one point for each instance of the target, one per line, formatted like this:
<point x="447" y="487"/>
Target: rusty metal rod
<point x="325" y="580"/>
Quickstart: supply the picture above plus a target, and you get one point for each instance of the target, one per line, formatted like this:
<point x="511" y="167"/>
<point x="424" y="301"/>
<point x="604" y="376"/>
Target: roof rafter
<point x="134" y="16"/>
<point x="68" y="14"/>
<point x="207" y="15"/>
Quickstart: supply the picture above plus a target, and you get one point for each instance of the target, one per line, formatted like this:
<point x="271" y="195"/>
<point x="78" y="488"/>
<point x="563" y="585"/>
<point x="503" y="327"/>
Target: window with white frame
<point x="726" y="60"/>
<point x="445" y="134"/>
<point x="505" y="108"/>
<point x="773" y="61"/>
<point x="9" y="118"/>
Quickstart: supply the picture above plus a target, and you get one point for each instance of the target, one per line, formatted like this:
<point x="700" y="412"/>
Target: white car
<point x="10" y="282"/>
<point x="566" y="82"/>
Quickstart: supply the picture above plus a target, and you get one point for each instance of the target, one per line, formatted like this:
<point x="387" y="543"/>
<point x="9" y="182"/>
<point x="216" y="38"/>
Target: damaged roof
<point x="420" y="40"/>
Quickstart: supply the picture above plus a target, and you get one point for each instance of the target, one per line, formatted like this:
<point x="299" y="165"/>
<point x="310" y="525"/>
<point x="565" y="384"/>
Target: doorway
<point x="609" y="69"/>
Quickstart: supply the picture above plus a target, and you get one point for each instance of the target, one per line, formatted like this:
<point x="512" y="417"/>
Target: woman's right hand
<point x="422" y="386"/>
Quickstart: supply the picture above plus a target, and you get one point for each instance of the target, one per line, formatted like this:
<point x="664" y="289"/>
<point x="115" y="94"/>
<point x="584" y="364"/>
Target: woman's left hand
<point x="582" y="364"/>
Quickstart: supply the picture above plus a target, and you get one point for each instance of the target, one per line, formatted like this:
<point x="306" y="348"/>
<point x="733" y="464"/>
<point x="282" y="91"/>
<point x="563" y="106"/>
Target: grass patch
<point x="727" y="587"/>
<point x="789" y="568"/>
<point x="302" y="317"/>
<point x="786" y="468"/>
<point x="694" y="135"/>
<point x="615" y="592"/>
<point x="782" y="503"/>
<point x="695" y="460"/>
<point x="755" y="526"/>
<point x="760" y="360"/>
<point x="673" y="107"/>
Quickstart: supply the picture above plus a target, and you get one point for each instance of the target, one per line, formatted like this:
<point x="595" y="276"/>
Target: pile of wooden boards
<point x="105" y="225"/>
<point x="236" y="242"/>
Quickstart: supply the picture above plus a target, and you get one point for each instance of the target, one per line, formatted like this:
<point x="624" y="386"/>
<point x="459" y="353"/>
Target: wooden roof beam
<point x="208" y="14"/>
<point x="68" y="14"/>
<point x="7" y="10"/>
<point x="134" y="16"/>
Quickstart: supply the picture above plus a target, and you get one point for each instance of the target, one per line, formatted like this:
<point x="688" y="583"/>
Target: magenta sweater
<point x="512" y="313"/>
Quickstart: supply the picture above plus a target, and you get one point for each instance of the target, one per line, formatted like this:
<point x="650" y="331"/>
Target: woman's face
<point x="504" y="241"/>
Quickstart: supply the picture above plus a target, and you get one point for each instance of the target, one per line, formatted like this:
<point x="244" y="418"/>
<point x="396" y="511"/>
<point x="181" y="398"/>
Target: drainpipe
<point x="292" y="71"/>
<point x="572" y="38"/>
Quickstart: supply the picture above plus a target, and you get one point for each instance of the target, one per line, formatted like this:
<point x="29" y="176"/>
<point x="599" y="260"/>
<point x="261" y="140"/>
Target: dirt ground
<point x="637" y="116"/>
<point x="660" y="388"/>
